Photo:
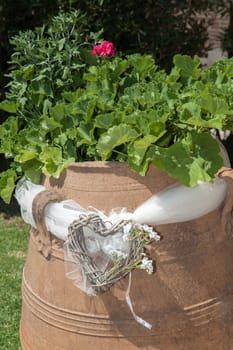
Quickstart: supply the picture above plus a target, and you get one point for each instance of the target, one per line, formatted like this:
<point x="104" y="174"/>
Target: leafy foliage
<point x="66" y="105"/>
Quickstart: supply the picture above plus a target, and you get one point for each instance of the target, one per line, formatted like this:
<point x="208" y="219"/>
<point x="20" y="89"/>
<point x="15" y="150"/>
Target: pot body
<point x="188" y="300"/>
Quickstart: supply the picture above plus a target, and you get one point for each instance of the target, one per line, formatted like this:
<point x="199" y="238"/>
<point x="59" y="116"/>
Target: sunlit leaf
<point x="7" y="184"/>
<point x="115" y="136"/>
<point x="9" y="106"/>
<point x="188" y="66"/>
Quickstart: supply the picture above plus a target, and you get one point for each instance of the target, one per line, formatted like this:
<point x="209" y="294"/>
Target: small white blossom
<point x="138" y="226"/>
<point x="147" y="265"/>
<point x="147" y="228"/>
<point x="152" y="234"/>
<point x="117" y="254"/>
<point x="126" y="231"/>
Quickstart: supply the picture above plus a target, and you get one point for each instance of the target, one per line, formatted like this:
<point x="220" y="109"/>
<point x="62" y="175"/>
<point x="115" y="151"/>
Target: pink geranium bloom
<point x="106" y="48"/>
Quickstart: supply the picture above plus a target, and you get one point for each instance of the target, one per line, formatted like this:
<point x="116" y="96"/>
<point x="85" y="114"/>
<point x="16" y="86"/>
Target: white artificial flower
<point x="147" y="265"/>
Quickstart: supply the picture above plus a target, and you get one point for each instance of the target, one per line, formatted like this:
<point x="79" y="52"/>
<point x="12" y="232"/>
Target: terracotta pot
<point x="188" y="299"/>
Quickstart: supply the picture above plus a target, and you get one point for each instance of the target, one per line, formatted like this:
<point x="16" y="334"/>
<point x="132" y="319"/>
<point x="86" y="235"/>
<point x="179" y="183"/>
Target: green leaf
<point x="92" y="74"/>
<point x="9" y="106"/>
<point x="192" y="160"/>
<point x="34" y="138"/>
<point x="61" y="44"/>
<point x="72" y="96"/>
<point x="213" y="104"/>
<point x="61" y="139"/>
<point x="177" y="161"/>
<point x="32" y="170"/>
<point x="143" y="64"/>
<point x="158" y="128"/>
<point x="105" y="101"/>
<point x="157" y="155"/>
<point x="86" y="106"/>
<point x="46" y="106"/>
<point x="152" y="155"/>
<point x="7" y="184"/>
<point x="105" y="121"/>
<point x="8" y="133"/>
<point x="120" y="66"/>
<point x="41" y="86"/>
<point x="206" y="147"/>
<point x="198" y="172"/>
<point x="25" y="156"/>
<point x="49" y="124"/>
<point x="53" y="163"/>
<point x="191" y="113"/>
<point x="51" y="157"/>
<point x="115" y="136"/>
<point x="138" y="148"/>
<point x="85" y="134"/>
<point x="28" y="71"/>
<point x="189" y="110"/>
<point x="88" y="57"/>
<point x="217" y="122"/>
<point x="72" y="134"/>
<point x="188" y="67"/>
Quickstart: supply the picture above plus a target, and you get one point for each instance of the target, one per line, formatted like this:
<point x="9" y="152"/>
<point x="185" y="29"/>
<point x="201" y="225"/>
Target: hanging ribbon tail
<point x="140" y="320"/>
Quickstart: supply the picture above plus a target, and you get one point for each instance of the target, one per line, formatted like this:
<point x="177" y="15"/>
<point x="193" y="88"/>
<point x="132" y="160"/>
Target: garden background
<point x="162" y="28"/>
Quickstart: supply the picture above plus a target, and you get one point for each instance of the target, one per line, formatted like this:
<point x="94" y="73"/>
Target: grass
<point x="13" y="246"/>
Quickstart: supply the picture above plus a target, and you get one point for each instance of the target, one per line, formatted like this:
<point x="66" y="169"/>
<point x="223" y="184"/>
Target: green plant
<point x="16" y="16"/>
<point x="66" y="105"/>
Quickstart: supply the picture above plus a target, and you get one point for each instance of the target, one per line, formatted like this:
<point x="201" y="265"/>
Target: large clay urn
<point x="188" y="299"/>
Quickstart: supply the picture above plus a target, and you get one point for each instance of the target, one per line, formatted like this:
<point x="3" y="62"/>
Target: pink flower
<point x="106" y="48"/>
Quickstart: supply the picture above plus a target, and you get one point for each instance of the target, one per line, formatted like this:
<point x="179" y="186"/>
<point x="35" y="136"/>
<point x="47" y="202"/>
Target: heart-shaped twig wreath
<point x="92" y="228"/>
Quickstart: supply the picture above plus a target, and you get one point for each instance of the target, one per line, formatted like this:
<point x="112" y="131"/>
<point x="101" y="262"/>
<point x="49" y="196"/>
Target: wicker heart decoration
<point x="91" y="225"/>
